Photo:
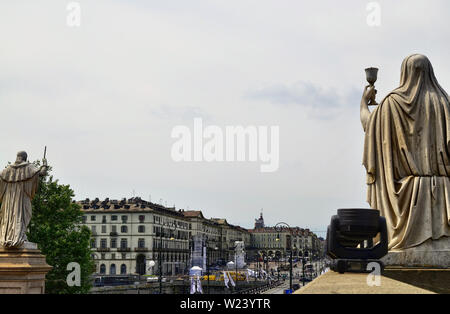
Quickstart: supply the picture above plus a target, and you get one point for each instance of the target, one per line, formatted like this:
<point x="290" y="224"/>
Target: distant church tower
<point x="259" y="223"/>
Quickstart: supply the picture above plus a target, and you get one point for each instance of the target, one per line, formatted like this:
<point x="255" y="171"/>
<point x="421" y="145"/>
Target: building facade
<point x="208" y="231"/>
<point x="127" y="234"/>
<point x="269" y="243"/>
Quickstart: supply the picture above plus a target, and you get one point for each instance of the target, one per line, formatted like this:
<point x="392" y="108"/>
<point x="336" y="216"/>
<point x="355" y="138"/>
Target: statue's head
<point x="417" y="62"/>
<point x="21" y="157"/>
<point x="415" y="67"/>
<point x="417" y="75"/>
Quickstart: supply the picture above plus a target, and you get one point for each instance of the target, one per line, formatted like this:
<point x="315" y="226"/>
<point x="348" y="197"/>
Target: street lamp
<point x="258" y="265"/>
<point x="216" y="248"/>
<point x="278" y="228"/>
<point x="266" y="262"/>
<point x="188" y="261"/>
<point x="235" y="264"/>
<point x="278" y="258"/>
<point x="305" y="249"/>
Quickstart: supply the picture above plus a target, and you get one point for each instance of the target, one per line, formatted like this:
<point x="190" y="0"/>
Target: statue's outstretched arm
<point x="369" y="93"/>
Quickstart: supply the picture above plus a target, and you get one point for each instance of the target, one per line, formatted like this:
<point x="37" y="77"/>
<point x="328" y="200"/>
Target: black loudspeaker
<point x="350" y="239"/>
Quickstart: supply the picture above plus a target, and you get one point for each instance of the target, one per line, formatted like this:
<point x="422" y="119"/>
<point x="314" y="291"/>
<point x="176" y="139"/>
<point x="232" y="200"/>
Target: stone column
<point x="22" y="270"/>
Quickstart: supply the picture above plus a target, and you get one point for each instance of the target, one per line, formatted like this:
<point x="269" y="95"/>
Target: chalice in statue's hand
<point x="371" y="77"/>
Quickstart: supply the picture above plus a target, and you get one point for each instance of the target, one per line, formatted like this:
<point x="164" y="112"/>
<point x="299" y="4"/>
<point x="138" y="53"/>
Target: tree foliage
<point x="56" y="227"/>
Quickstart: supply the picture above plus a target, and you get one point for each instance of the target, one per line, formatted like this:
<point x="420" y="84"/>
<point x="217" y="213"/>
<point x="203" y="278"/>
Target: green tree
<point x="56" y="227"/>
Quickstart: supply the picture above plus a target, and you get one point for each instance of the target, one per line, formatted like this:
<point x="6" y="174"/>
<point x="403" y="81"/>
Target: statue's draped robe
<point x="406" y="155"/>
<point x="18" y="185"/>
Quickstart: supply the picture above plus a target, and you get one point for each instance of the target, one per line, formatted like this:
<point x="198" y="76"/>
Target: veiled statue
<point x="407" y="156"/>
<point x="18" y="185"/>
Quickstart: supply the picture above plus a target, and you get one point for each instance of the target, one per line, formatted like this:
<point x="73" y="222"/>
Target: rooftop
<point x="134" y="204"/>
<point x="192" y="213"/>
<point x="294" y="230"/>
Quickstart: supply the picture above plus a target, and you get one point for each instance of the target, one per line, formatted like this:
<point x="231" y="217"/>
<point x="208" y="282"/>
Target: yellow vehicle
<point x="211" y="277"/>
<point x="240" y="276"/>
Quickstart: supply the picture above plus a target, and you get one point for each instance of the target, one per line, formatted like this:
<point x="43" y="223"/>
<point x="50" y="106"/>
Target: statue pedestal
<point x="430" y="254"/>
<point x="22" y="270"/>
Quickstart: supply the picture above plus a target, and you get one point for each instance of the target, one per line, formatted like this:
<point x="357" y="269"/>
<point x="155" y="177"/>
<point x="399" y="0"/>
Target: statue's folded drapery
<point x="406" y="155"/>
<point x="18" y="184"/>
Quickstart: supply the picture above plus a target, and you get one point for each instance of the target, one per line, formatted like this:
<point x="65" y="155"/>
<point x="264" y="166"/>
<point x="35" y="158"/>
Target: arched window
<point x="112" y="269"/>
<point x="123" y="269"/>
<point x="102" y="269"/>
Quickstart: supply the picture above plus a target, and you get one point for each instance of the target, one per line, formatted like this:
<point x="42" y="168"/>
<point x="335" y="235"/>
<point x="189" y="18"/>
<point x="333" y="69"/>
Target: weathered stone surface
<point x="22" y="270"/>
<point x="435" y="254"/>
<point x="433" y="279"/>
<point x="29" y="245"/>
<point x="353" y="283"/>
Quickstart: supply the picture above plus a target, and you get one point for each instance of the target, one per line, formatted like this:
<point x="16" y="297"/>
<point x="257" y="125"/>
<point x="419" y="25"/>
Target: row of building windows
<point x="167" y="257"/>
<point x="124" y="218"/>
<point x="156" y="219"/>
<point x="123" y="268"/>
<point x="123" y="229"/>
<point x="141" y="244"/>
<point x="167" y="233"/>
<point x="171" y="222"/>
<point x="113" y="256"/>
<point x="113" y="243"/>
<point x="171" y="244"/>
<point x="112" y="269"/>
<point x="272" y="245"/>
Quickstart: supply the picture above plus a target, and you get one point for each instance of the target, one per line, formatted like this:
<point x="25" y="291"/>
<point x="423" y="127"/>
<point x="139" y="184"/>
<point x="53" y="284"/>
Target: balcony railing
<point x="123" y="249"/>
<point x="113" y="234"/>
<point x="103" y="249"/>
<point x="141" y="249"/>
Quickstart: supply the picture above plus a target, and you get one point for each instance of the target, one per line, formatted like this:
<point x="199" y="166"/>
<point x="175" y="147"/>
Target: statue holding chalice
<point x="407" y="159"/>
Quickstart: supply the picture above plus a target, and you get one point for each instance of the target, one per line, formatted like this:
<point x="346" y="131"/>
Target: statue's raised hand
<point x="44" y="167"/>
<point x="369" y="95"/>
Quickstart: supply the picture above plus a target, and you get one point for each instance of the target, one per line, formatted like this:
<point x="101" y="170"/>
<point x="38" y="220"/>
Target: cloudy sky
<point x="105" y="96"/>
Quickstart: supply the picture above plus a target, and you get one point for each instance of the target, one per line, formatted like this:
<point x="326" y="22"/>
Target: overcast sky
<point x="104" y="97"/>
